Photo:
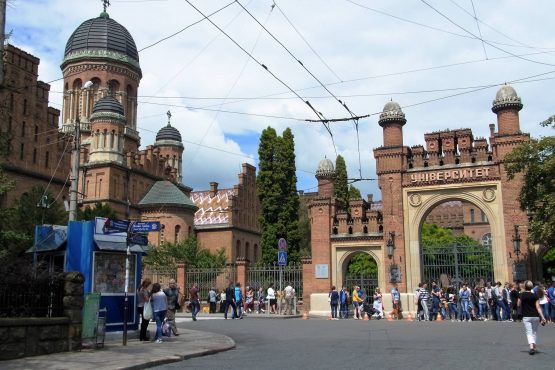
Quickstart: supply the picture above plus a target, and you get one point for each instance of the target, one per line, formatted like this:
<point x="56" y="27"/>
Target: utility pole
<point x="75" y="158"/>
<point x="2" y="38"/>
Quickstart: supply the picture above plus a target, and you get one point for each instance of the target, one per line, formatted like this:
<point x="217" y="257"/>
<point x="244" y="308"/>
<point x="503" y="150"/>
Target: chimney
<point x="370" y="197"/>
<point x="213" y="188"/>
<point x="491" y="129"/>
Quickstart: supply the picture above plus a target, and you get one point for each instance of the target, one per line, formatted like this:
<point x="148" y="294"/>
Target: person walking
<point x="377" y="305"/>
<point x="501" y="308"/>
<point x="333" y="299"/>
<point x="436" y="295"/>
<point x="423" y="297"/>
<point x="464" y="296"/>
<point x="230" y="301"/>
<point x="357" y="302"/>
<point x="143" y="296"/>
<point x="212" y="299"/>
<point x="159" y="302"/>
<point x="195" y="303"/>
<point x="344" y="303"/>
<point x="172" y="292"/>
<point x="396" y="302"/>
<point x="239" y="299"/>
<point x="289" y="292"/>
<point x="222" y="301"/>
<point x="532" y="314"/>
<point x="260" y="297"/>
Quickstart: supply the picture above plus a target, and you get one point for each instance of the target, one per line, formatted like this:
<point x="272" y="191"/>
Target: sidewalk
<point x="136" y="355"/>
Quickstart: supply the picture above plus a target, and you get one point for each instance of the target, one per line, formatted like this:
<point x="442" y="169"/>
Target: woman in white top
<point x="271" y="296"/>
<point x="378" y="303"/>
<point x="159" y="302"/>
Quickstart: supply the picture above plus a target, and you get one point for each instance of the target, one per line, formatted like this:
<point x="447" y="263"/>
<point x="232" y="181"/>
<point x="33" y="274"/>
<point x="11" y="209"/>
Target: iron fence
<point x="368" y="282"/>
<point x="263" y="276"/>
<point x="451" y="265"/>
<point x="42" y="298"/>
<point x="161" y="275"/>
<point x="212" y="277"/>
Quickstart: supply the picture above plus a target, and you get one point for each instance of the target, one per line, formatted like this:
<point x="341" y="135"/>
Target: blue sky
<point x="418" y="53"/>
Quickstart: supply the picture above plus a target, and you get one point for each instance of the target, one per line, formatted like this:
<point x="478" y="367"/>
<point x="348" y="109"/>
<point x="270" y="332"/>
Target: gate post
<point x="242" y="264"/>
<point x="181" y="279"/>
<point x="308" y="276"/>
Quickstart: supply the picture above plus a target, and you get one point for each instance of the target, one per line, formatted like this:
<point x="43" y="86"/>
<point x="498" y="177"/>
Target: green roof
<point x="165" y="192"/>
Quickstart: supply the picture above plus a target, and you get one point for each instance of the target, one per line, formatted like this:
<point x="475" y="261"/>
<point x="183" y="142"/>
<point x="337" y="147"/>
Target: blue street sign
<point x="139" y="239"/>
<point x="145" y="226"/>
<point x="282" y="245"/>
<point x="282" y="258"/>
<point x="115" y="226"/>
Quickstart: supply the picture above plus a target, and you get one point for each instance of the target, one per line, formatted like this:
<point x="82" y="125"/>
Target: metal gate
<point x="160" y="275"/>
<point x="263" y="276"/>
<point x="218" y="278"/>
<point x="452" y="265"/>
<point x="368" y="282"/>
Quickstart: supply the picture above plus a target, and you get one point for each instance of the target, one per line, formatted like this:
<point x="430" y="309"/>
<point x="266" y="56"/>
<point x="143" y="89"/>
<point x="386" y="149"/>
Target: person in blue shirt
<point x="239" y="300"/>
<point x="396" y="301"/>
<point x="344" y="303"/>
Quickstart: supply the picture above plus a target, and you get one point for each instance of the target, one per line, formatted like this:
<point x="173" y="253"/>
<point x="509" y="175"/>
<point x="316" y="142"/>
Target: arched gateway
<point x="453" y="166"/>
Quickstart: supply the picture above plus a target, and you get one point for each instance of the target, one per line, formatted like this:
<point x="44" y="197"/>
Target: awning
<point x="118" y="246"/>
<point x="50" y="239"/>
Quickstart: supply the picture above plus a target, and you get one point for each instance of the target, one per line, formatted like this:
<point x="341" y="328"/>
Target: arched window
<point x="36" y="133"/>
<point x="484" y="217"/>
<point x="46" y="159"/>
<point x="238" y="249"/>
<point x="471" y="215"/>
<point x="23" y="129"/>
<point x="350" y="229"/>
<point x="176" y="234"/>
<point x="248" y="251"/>
<point x="35" y="155"/>
<point x="21" y="151"/>
<point x="255" y="253"/>
<point x="365" y="229"/>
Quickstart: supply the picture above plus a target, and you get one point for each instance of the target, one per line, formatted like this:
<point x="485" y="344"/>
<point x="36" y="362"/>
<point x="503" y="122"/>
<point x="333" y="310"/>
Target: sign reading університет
<point x="458" y="174"/>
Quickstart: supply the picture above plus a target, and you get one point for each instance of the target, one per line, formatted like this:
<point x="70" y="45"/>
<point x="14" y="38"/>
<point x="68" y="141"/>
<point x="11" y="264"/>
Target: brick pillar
<point x="308" y="276"/>
<point x="181" y="278"/>
<point x="73" y="307"/>
<point x="242" y="264"/>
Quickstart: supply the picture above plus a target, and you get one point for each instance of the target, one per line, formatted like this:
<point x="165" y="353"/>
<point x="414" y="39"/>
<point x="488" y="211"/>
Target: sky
<point x="442" y="61"/>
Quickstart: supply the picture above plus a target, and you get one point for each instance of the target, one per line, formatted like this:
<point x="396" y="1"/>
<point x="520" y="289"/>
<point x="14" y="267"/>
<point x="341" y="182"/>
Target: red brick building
<point x="454" y="166"/>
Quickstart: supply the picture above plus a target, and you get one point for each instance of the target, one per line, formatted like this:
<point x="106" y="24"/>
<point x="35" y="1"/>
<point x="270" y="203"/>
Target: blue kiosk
<point x="101" y="258"/>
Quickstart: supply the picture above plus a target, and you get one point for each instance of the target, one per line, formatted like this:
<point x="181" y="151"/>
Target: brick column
<point x="308" y="276"/>
<point x="181" y="278"/>
<point x="242" y="264"/>
<point x="73" y="307"/>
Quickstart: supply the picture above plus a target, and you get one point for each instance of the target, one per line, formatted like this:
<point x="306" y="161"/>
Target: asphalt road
<point x="353" y="344"/>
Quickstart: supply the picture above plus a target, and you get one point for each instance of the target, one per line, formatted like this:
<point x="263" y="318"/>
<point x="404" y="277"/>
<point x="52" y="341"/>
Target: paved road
<point x="352" y="344"/>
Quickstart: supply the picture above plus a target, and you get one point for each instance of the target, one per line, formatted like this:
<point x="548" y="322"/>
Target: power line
<point x="479" y="30"/>
<point x="478" y="38"/>
<point x="306" y="42"/>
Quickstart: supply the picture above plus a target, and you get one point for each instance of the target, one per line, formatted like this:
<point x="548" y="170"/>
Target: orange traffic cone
<point x="409" y="317"/>
<point x="305" y="316"/>
<point x="329" y="316"/>
<point x="366" y="318"/>
<point x="439" y="318"/>
<point x="389" y="318"/>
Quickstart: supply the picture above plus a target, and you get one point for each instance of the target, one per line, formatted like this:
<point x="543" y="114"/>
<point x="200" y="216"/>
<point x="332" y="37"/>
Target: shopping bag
<point x="147" y="311"/>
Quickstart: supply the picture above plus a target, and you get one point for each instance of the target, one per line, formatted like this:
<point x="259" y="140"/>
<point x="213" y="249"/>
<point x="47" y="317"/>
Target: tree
<point x="362" y="264"/>
<point x="354" y="193"/>
<point x="98" y="210"/>
<point x="535" y="160"/>
<point x="37" y="207"/>
<point x="341" y="187"/>
<point x="277" y="192"/>
<point x="188" y="251"/>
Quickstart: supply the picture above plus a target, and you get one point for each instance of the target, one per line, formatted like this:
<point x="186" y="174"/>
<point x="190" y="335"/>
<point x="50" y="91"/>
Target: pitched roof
<point x="212" y="210"/>
<point x="165" y="192"/>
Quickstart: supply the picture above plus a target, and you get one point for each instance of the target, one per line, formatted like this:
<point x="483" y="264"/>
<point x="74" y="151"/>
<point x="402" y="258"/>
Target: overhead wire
<point x="479" y="30"/>
<point x="55" y="170"/>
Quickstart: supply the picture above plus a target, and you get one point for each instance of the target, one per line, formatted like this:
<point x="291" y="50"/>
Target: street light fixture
<point x="391" y="244"/>
<point x="516" y="241"/>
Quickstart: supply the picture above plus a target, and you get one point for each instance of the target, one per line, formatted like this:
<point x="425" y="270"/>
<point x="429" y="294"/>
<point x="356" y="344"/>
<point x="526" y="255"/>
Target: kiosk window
<point x="109" y="273"/>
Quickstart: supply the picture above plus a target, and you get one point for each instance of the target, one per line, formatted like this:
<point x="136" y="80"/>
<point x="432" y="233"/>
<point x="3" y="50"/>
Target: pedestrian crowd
<point x="362" y="303"/>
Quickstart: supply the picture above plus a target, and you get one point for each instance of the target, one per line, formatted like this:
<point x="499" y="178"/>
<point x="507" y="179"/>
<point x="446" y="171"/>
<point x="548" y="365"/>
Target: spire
<point x="169" y="114"/>
<point x="105" y="4"/>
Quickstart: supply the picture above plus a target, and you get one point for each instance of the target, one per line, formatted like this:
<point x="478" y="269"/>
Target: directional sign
<point x="115" y="226"/>
<point x="139" y="239"/>
<point x="145" y="226"/>
<point x="282" y="245"/>
<point x="282" y="258"/>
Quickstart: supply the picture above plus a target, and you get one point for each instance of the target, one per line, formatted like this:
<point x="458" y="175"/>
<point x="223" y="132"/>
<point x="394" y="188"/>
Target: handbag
<point x="147" y="311"/>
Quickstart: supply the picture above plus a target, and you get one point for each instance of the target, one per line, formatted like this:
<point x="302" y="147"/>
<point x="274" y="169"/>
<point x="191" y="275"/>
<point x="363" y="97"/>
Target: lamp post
<point x="516" y="241"/>
<point x="391" y="244"/>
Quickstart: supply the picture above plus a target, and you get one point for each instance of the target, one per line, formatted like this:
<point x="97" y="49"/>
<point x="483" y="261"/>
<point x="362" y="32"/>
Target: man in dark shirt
<point x="172" y="292"/>
<point x="195" y="303"/>
<point x="230" y="301"/>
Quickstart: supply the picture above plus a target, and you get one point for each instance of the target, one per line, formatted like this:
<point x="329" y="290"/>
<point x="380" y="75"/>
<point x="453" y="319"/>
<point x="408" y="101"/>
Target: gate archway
<point x="366" y="278"/>
<point x="419" y="203"/>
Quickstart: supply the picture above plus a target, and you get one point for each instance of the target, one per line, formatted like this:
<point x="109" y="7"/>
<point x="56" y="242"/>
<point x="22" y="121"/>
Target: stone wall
<point x="22" y="337"/>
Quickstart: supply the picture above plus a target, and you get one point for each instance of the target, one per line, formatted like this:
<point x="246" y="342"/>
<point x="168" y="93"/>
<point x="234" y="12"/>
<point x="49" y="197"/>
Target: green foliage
<point x="188" y="251"/>
<point x="98" y="210"/>
<point x="433" y="236"/>
<point x="29" y="214"/>
<point x="354" y="193"/>
<point x="277" y="192"/>
<point x="535" y="160"/>
<point x="362" y="263"/>
<point x="341" y="188"/>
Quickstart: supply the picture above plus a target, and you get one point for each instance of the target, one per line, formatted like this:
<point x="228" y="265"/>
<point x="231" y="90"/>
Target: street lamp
<point x="391" y="244"/>
<point x="516" y="241"/>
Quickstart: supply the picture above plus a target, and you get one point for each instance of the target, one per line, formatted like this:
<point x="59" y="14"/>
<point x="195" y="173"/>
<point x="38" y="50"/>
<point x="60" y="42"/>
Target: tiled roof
<point x="165" y="192"/>
<point x="212" y="210"/>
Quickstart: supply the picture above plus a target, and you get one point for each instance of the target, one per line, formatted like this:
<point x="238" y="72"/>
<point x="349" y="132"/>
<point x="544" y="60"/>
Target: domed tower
<point x="326" y="176"/>
<point x="102" y="51"/>
<point x="107" y="131"/>
<point x="392" y="119"/>
<point x="506" y="105"/>
<point x="168" y="140"/>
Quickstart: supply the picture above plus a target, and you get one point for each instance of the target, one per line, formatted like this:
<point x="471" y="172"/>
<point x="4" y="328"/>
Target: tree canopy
<point x="341" y="187"/>
<point x="98" y="210"/>
<point x="433" y="236"/>
<point x="277" y="191"/>
<point x="188" y="251"/>
<point x="536" y="161"/>
<point x="362" y="263"/>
